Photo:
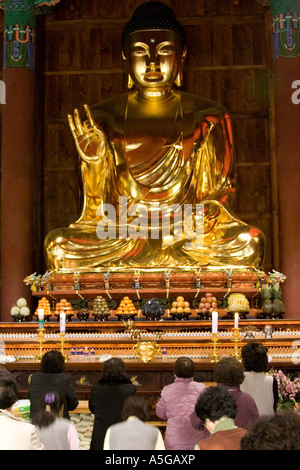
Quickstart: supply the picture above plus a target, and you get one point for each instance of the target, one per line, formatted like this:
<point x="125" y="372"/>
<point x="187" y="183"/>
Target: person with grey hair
<point x="216" y="408"/>
<point x="15" y="433"/>
<point x="280" y="431"/>
<point x="229" y="372"/>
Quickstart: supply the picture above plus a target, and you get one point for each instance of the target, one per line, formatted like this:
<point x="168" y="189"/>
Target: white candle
<point x="214" y="317"/>
<point x="41" y="318"/>
<point x="62" y="322"/>
<point x="236" y="320"/>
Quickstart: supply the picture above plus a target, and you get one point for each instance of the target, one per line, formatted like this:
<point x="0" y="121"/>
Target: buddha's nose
<point x="153" y="66"/>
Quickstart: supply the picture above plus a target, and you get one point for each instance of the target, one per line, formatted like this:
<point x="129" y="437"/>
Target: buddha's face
<point x="154" y="58"/>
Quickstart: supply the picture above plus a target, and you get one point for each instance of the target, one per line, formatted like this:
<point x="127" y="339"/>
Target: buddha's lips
<point x="153" y="76"/>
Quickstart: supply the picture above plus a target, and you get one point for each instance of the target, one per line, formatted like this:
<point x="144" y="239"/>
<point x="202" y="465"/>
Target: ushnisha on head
<point x="153" y="16"/>
<point x="154" y="49"/>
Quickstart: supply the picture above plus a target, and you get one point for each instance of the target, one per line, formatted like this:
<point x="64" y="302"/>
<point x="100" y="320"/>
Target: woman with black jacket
<point x="51" y="377"/>
<point x="107" y="398"/>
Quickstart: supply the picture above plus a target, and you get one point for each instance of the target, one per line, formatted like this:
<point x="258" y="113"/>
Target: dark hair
<point x="9" y="392"/>
<point x="135" y="405"/>
<point x="214" y="403"/>
<point x="153" y="15"/>
<point x="53" y="362"/>
<point x="229" y="371"/>
<point x="50" y="406"/>
<point x="184" y="367"/>
<point x="113" y="370"/>
<point x="278" y="432"/>
<point x="255" y="357"/>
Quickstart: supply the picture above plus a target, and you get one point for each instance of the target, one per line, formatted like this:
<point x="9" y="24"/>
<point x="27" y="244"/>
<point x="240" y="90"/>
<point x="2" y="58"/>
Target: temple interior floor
<point x="84" y="425"/>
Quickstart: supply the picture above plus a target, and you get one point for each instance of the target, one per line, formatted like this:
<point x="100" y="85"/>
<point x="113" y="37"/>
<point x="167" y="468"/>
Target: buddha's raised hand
<point x="90" y="140"/>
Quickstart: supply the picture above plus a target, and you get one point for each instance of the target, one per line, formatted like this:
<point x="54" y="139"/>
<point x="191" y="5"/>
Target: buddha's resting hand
<point x="90" y="140"/>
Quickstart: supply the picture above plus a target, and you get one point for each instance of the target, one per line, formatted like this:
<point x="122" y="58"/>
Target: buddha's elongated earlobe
<point x="178" y="81"/>
<point x="179" y="78"/>
<point x="130" y="82"/>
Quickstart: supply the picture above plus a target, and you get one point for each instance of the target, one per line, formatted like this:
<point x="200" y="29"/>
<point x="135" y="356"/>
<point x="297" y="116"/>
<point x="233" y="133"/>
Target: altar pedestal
<point x="189" y="338"/>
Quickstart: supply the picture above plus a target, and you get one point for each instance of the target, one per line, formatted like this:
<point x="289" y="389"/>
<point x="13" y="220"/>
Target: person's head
<point x="214" y="404"/>
<point x="135" y="405"/>
<point x="9" y="392"/>
<point x="113" y="369"/>
<point x="280" y="431"/>
<point x="53" y="362"/>
<point x="255" y="357"/>
<point x="184" y="367"/>
<point x="153" y="44"/>
<point x="51" y="408"/>
<point x="229" y="371"/>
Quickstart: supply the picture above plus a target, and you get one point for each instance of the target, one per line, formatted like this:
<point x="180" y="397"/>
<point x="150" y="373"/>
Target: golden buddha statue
<point x="148" y="157"/>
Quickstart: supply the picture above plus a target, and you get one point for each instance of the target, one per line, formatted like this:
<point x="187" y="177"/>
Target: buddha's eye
<point x="166" y="49"/>
<point x="139" y="51"/>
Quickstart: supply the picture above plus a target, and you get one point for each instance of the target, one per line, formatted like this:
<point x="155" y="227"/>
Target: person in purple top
<point x="229" y="372"/>
<point x="175" y="405"/>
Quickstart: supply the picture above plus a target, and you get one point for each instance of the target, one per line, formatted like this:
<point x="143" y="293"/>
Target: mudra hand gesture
<point x="90" y="140"/>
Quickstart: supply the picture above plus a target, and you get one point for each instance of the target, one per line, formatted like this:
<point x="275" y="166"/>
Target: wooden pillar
<point x="17" y="188"/>
<point x="17" y="159"/>
<point x="287" y="109"/>
<point x="285" y="17"/>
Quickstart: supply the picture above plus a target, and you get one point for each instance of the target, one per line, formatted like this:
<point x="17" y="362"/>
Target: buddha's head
<point x="153" y="44"/>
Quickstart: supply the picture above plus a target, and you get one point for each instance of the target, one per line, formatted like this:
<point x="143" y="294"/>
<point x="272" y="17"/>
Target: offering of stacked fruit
<point x="153" y="309"/>
<point x="238" y="303"/>
<point x="83" y="314"/>
<point x="207" y="305"/>
<point x="45" y="305"/>
<point x="20" y="311"/>
<point x="272" y="305"/>
<point x="180" y="308"/>
<point x="64" y="306"/>
<point x="126" y="309"/>
<point x="100" y="309"/>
